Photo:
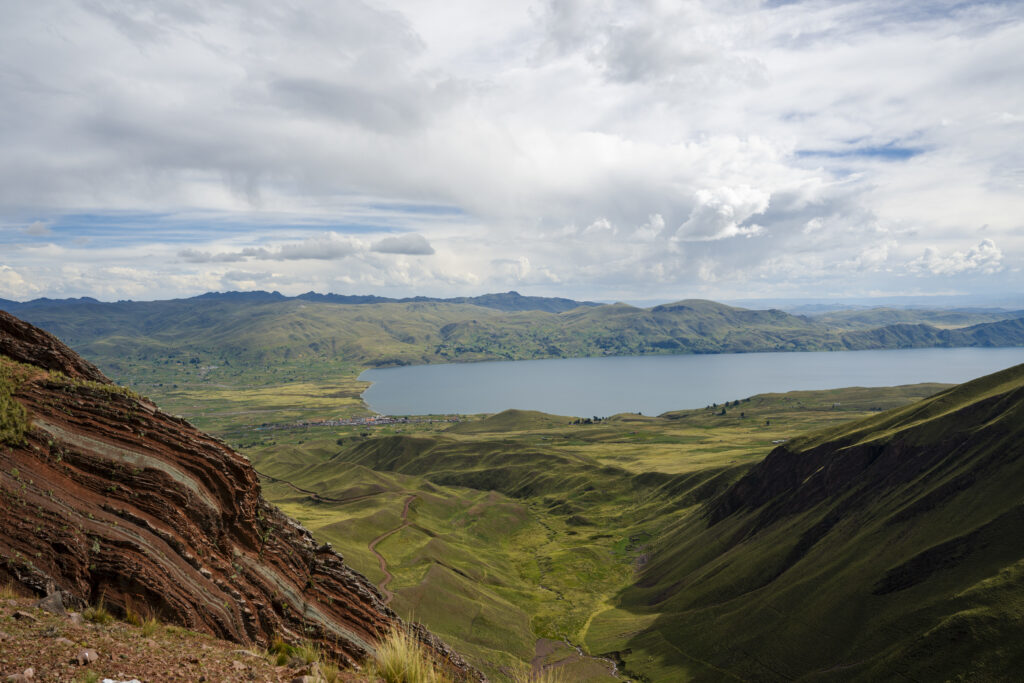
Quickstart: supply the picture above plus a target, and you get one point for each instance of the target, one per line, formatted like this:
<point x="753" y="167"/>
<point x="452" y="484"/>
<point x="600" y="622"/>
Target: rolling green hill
<point x="524" y="526"/>
<point x="885" y="549"/>
<point x="243" y="358"/>
<point x="947" y="318"/>
<point x="257" y="327"/>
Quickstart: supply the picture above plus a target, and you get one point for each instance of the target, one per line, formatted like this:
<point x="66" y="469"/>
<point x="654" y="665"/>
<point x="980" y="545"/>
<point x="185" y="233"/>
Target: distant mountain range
<point x="506" y="301"/>
<point x="374" y="331"/>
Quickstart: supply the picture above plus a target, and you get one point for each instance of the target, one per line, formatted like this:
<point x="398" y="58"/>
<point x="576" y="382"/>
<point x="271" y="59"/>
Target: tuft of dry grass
<point x="98" y="614"/>
<point x="543" y="676"/>
<point x="401" y="659"/>
<point x="8" y="592"/>
<point x="150" y="626"/>
<point x="307" y="652"/>
<point x="330" y="672"/>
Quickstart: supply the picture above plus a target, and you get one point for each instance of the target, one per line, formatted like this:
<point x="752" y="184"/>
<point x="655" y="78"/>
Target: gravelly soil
<point x="50" y="645"/>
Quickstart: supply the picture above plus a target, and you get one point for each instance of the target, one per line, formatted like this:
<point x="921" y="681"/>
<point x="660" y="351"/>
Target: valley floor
<point x="511" y="531"/>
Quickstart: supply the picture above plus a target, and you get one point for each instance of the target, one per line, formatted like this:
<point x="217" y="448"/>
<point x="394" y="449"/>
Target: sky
<point x="603" y="150"/>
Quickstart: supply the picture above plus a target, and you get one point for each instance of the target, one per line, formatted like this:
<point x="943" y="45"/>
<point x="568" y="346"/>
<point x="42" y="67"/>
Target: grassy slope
<point x="246" y="359"/>
<point x="254" y="331"/>
<point x="525" y="525"/>
<point x="881" y="549"/>
<point x="944" y="319"/>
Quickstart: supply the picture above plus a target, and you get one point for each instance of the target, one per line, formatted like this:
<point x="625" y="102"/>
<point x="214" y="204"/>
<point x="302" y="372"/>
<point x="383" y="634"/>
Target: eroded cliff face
<point x="103" y="495"/>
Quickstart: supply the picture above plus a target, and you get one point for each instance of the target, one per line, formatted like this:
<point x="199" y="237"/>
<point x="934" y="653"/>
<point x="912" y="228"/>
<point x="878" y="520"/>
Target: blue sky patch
<point x="889" y="152"/>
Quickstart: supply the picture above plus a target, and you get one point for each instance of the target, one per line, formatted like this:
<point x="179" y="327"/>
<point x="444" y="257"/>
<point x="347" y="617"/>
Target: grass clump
<point x="144" y="619"/>
<point x="543" y="676"/>
<point x="280" y="652"/>
<point x="98" y="614"/>
<point x="401" y="658"/>
<point x="307" y="652"/>
<point x="8" y="592"/>
<point x="330" y="671"/>
<point x="150" y="626"/>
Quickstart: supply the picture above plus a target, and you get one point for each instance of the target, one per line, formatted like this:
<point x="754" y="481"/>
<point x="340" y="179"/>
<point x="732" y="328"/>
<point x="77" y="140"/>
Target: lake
<point x="656" y="384"/>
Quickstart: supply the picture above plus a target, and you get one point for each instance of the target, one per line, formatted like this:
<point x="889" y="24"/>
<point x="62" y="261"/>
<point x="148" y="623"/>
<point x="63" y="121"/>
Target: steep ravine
<point x="105" y="496"/>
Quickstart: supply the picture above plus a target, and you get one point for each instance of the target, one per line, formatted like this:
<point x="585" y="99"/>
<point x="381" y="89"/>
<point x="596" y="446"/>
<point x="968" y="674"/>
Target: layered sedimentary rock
<point x="105" y="496"/>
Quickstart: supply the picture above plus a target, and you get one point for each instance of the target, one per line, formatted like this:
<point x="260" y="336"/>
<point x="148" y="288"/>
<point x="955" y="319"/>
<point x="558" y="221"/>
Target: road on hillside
<point x="383" y="585"/>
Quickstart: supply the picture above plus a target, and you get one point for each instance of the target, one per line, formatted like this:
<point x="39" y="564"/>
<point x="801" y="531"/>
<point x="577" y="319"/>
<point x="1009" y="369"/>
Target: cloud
<point x="621" y="147"/>
<point x="326" y="247"/>
<point x="412" y="243"/>
<point x="985" y="258"/>
<point x="37" y="229"/>
<point x="875" y="256"/>
<point x="721" y="214"/>
<point x="514" y="268"/>
<point x="13" y="285"/>
<point x="197" y="256"/>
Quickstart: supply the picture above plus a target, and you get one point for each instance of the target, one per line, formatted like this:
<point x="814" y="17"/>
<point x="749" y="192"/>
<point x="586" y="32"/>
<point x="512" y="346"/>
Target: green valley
<point x="858" y="533"/>
<point x="523" y="526"/>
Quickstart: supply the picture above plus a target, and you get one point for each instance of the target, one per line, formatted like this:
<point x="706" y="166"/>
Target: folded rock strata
<point x="105" y="496"/>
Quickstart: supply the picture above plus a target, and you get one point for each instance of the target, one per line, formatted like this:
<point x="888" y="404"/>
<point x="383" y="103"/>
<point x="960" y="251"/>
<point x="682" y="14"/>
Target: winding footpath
<point x="388" y="576"/>
<point x="316" y="497"/>
<point x="383" y="585"/>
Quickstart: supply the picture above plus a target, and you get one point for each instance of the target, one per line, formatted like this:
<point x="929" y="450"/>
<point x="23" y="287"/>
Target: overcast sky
<point x="602" y="150"/>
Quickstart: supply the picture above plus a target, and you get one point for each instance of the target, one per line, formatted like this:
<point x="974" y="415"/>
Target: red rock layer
<point x="108" y="497"/>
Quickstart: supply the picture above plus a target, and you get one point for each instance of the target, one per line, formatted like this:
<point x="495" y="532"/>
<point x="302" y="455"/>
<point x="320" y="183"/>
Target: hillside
<point x="884" y="549"/>
<point x="508" y="533"/>
<point x="941" y="318"/>
<point x="104" y="498"/>
<point x="245" y="328"/>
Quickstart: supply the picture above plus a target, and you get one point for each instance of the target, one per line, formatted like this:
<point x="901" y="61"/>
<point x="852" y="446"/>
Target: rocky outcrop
<point x="103" y="496"/>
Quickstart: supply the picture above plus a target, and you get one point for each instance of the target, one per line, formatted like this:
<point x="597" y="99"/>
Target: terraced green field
<point x="522" y="526"/>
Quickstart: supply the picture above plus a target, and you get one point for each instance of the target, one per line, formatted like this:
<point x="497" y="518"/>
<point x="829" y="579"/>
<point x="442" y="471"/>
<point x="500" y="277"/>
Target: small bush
<point x="278" y="646"/>
<point x="279" y="652"/>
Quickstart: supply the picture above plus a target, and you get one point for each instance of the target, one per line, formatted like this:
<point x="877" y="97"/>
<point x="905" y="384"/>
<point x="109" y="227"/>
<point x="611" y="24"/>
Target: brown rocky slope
<point x="103" y="496"/>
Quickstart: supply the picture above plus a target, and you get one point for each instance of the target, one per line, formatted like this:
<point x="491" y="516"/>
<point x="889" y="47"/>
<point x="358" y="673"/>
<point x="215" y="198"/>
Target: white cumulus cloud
<point x="721" y="212"/>
<point x="985" y="258"/>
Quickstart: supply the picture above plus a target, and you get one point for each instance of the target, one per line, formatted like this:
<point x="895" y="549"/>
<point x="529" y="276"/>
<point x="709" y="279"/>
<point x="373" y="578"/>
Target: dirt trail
<point x="316" y="496"/>
<point x="388" y="576"/>
<point x="383" y="585"/>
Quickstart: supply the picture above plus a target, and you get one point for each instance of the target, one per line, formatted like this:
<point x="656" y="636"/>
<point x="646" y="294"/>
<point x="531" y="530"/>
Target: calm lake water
<point x="656" y="384"/>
